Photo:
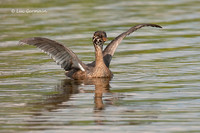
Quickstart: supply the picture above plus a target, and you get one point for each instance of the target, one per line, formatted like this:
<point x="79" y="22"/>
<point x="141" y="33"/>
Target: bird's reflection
<point x="101" y="86"/>
<point x="68" y="87"/>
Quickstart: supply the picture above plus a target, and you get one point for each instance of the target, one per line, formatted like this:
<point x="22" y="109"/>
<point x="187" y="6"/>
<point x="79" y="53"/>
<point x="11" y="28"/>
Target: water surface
<point x="156" y="71"/>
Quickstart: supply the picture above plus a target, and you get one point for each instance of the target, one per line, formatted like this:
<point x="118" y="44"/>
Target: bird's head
<point x="99" y="38"/>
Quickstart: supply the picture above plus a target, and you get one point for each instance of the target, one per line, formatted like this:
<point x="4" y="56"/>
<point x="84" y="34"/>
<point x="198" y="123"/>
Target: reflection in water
<point x="101" y="86"/>
<point x="64" y="90"/>
<point x="67" y="87"/>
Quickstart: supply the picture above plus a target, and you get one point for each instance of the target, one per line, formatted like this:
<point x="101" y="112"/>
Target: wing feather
<point x="63" y="56"/>
<point x="111" y="47"/>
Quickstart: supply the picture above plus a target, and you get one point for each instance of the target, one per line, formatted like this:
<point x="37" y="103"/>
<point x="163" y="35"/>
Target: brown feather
<point x="59" y="53"/>
<point x="111" y="47"/>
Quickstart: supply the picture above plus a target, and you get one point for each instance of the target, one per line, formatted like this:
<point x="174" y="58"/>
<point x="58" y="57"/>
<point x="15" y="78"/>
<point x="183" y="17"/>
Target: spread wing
<point x="62" y="55"/>
<point x="111" y="47"/>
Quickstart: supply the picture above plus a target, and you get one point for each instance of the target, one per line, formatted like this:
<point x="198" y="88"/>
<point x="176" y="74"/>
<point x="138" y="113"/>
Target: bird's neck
<point x="98" y="56"/>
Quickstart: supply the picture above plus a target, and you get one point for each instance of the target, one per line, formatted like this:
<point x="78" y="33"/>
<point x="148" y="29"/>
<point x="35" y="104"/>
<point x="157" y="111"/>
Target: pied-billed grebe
<point x="75" y="68"/>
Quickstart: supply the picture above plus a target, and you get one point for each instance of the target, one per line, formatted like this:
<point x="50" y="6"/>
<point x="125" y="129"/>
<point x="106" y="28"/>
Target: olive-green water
<point x="156" y="84"/>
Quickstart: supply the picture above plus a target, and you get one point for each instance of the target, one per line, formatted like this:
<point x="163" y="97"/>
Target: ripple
<point x="156" y="71"/>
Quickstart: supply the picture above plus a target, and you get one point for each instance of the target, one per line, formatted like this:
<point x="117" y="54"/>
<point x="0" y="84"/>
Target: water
<point x="156" y="71"/>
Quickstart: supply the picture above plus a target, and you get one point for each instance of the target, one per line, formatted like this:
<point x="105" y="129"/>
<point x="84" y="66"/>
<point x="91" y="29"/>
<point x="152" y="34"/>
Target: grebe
<point x="69" y="61"/>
